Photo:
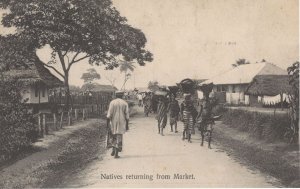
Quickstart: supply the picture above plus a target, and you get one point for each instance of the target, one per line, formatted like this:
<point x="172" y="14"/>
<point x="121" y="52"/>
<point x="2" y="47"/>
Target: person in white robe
<point x="117" y="123"/>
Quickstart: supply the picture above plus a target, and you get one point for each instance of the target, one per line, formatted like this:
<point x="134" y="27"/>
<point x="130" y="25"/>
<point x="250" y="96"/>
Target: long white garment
<point x="118" y="112"/>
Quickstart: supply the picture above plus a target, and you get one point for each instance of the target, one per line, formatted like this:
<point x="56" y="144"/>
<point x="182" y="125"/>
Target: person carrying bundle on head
<point x="147" y="104"/>
<point x="174" y="112"/>
<point x="162" y="116"/>
<point x="189" y="114"/>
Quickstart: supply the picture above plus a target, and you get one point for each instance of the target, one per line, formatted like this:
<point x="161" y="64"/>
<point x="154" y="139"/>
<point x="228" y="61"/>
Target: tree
<point x="17" y="129"/>
<point x="75" y="89"/>
<point x="240" y="61"/>
<point x="76" y="30"/>
<point x="111" y="78"/>
<point x="293" y="131"/>
<point x="16" y="52"/>
<point x="153" y="86"/>
<point x="90" y="75"/>
<point x="125" y="67"/>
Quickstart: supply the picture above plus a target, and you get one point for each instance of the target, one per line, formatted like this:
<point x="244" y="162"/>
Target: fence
<point x="83" y="107"/>
<point x="82" y="99"/>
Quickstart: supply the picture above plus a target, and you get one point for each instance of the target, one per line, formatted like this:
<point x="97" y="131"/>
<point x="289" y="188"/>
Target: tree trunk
<point x="67" y="88"/>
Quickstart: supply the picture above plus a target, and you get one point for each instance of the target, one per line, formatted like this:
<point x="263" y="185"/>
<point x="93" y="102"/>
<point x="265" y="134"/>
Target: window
<point x="224" y="88"/>
<point x="36" y="90"/>
<point x="233" y="88"/>
<point x="43" y="92"/>
<point x="221" y="88"/>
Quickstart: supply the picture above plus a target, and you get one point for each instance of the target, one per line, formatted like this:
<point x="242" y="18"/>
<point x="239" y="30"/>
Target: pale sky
<point x="201" y="38"/>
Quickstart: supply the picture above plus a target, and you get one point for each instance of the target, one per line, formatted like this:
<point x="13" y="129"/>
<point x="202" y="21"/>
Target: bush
<point x="17" y="129"/>
<point x="219" y="109"/>
<point x="263" y="126"/>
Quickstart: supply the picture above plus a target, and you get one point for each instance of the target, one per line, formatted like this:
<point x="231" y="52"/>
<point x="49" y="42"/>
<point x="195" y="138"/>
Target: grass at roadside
<point x="277" y="159"/>
<point x="53" y="166"/>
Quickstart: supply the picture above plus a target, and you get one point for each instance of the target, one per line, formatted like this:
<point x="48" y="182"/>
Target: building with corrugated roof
<point x="249" y="83"/>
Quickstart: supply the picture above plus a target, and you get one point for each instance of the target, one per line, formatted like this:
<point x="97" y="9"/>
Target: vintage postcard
<point x="149" y="93"/>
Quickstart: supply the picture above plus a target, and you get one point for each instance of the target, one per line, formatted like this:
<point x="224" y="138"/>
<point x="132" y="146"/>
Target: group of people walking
<point x="118" y="117"/>
<point x="186" y="112"/>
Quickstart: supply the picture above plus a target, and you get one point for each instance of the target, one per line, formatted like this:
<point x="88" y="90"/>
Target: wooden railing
<point x="47" y="122"/>
<point x="82" y="108"/>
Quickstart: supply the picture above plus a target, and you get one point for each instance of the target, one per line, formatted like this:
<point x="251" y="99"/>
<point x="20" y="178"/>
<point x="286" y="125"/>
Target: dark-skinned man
<point x="117" y="123"/>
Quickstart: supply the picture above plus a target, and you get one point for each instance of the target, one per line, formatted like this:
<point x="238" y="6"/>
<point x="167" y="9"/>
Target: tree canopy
<point x="16" y="51"/>
<point x="75" y="30"/>
<point x="90" y="75"/>
<point x="91" y="27"/>
<point x="153" y="86"/>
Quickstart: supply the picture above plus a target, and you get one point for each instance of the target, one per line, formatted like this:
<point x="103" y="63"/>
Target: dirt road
<point x="149" y="159"/>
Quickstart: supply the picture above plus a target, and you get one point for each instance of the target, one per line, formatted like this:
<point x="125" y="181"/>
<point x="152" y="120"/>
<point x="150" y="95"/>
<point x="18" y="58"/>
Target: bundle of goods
<point x="163" y="91"/>
<point x="173" y="90"/>
<point x="187" y="86"/>
<point x="206" y="89"/>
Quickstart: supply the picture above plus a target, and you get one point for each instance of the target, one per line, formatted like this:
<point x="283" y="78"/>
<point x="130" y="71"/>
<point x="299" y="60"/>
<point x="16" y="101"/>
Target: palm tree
<point x="240" y="61"/>
<point x="125" y="67"/>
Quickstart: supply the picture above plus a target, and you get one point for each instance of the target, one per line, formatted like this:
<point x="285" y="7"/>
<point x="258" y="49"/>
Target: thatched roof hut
<point x="35" y="73"/>
<point x="269" y="85"/>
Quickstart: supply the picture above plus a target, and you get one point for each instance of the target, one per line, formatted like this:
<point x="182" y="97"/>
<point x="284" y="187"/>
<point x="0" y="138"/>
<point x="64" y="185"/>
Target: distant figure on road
<point x="174" y="112"/>
<point x="147" y="104"/>
<point x="162" y="117"/>
<point x="140" y="99"/>
<point x="189" y="114"/>
<point x="117" y="123"/>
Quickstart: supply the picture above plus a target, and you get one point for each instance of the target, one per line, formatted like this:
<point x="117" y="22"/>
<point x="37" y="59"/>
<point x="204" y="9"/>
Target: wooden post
<point x="281" y="101"/>
<point x="45" y="125"/>
<point x="55" y="121"/>
<point x="76" y="114"/>
<point x="83" y="114"/>
<point x="40" y="124"/>
<point x="97" y="105"/>
<point x="69" y="118"/>
<point x="61" y="119"/>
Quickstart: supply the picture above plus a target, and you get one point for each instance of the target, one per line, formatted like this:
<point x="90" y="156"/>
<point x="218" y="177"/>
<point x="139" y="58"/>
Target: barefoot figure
<point x="117" y="122"/>
<point x="174" y="113"/>
<point x="147" y="104"/>
<point x="162" y="111"/>
<point x="189" y="114"/>
<point x="205" y="120"/>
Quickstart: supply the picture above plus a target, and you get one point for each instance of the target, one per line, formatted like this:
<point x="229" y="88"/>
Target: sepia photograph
<point x="149" y="94"/>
